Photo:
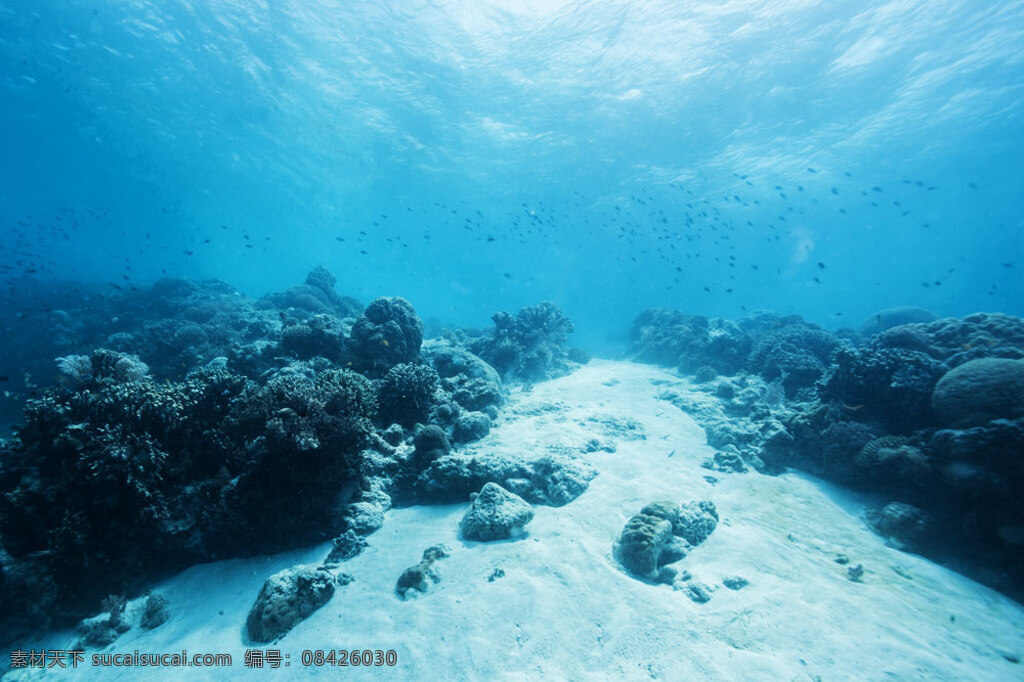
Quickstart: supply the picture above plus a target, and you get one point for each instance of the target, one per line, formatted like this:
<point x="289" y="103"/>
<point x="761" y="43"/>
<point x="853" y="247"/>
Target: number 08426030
<point x="349" y="657"/>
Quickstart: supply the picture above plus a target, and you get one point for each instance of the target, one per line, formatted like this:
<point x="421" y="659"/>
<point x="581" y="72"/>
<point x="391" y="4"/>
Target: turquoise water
<point x="824" y="158"/>
<point x="255" y="257"/>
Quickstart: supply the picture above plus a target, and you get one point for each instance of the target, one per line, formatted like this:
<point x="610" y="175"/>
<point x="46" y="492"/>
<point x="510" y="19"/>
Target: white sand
<point x="565" y="609"/>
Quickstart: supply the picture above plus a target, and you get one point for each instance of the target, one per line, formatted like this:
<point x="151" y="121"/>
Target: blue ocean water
<point x="807" y="212"/>
<point x="477" y="156"/>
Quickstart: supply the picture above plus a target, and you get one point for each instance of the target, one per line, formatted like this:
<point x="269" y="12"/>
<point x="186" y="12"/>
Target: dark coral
<point x="319" y="336"/>
<point x="473" y="383"/>
<point x="670" y="337"/>
<point x="387" y="333"/>
<point x="115" y="481"/>
<point x="309" y="432"/>
<point x="529" y="346"/>
<point x="317" y="295"/>
<point x="979" y="391"/>
<point x="798" y="355"/>
<point x="954" y="341"/>
<point x="430" y="443"/>
<point x="891" y="386"/>
<point x="406" y="394"/>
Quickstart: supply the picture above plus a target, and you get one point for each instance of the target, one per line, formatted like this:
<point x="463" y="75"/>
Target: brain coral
<point x="979" y="391"/>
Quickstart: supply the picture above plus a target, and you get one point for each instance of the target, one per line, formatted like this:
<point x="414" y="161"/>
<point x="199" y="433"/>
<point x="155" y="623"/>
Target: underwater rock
<point x="474" y="395"/>
<point x="387" y="333"/>
<point x="431" y="444"/>
<point x="495" y="514"/>
<point x="735" y="583"/>
<point x="894" y="459"/>
<point x="364" y="518"/>
<point x="741" y="424"/>
<point x="994" y="446"/>
<point x="979" y="391"/>
<point x="904" y="525"/>
<point x="726" y="462"/>
<point x="416" y="577"/>
<point x="101" y="631"/>
<point x="316" y="295"/>
<point x="451" y="361"/>
<point x="704" y="374"/>
<point x="471" y="426"/>
<point x="289" y="597"/>
<point x="553" y="480"/>
<point x="699" y="593"/>
<point x="155" y="612"/>
<point x="346" y="546"/>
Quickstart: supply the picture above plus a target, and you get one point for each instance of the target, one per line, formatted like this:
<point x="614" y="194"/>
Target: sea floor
<point x="564" y="608"/>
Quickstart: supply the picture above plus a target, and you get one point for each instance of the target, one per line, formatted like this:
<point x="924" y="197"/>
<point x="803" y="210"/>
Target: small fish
<point x="821" y="265"/>
<point x="671" y="453"/>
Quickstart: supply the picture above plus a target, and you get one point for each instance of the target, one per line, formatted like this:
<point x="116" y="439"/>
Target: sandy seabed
<point x="564" y="608"/>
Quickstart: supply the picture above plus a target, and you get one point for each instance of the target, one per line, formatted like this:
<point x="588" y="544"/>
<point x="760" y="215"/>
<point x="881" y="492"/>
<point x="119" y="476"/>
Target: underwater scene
<point x="512" y="339"/>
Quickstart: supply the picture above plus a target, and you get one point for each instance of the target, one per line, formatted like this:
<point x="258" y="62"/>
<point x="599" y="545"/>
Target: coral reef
<point x="190" y="423"/>
<point x="927" y="411"/>
<point x="317" y="295"/>
<point x="640" y="546"/>
<point x="319" y="336"/>
<point x="528" y="347"/>
<point x="796" y="354"/>
<point x="115" y="480"/>
<point x="891" y="387"/>
<point x="669" y="337"/>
